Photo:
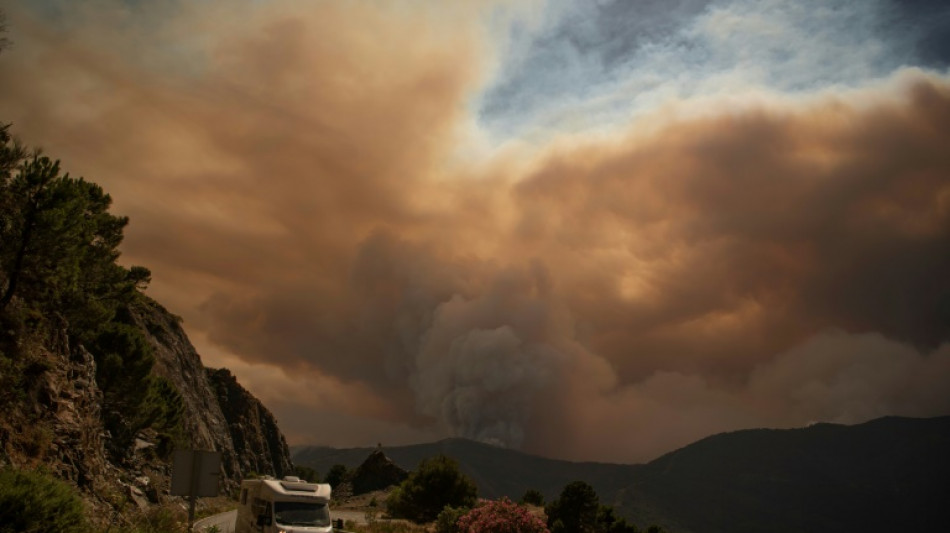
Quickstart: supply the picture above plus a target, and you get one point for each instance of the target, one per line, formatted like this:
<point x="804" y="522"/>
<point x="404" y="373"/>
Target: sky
<point x="590" y="230"/>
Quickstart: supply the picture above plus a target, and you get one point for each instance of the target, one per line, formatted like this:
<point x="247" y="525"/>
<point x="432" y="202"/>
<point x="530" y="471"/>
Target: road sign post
<point x="195" y="473"/>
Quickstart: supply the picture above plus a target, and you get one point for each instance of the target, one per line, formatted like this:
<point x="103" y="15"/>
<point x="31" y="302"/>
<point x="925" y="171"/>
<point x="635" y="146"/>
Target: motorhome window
<point x="302" y="514"/>
<point x="259" y="506"/>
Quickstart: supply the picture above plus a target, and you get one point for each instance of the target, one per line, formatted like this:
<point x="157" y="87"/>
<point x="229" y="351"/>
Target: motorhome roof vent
<point x="291" y="478"/>
<point x="298" y="486"/>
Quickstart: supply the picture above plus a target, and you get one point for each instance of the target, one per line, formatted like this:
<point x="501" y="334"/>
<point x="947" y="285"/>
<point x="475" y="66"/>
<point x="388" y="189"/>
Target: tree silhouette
<point x="60" y="243"/>
<point x="58" y="260"/>
<point x="336" y="475"/>
<point x="435" y="484"/>
<point x="575" y="510"/>
<point x="533" y="497"/>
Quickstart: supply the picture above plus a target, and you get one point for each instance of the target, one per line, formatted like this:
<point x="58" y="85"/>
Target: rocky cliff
<point x="258" y="444"/>
<point x="219" y="414"/>
<point x="51" y="415"/>
<point x="50" y="411"/>
<point x="177" y="361"/>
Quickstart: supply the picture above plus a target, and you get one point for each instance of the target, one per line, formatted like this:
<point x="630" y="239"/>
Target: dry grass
<point x="388" y="526"/>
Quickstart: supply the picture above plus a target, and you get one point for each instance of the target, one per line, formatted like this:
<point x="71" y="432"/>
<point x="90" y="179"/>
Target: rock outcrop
<point x="220" y="414"/>
<point x="52" y="416"/>
<point x="177" y="361"/>
<point x="376" y="473"/>
<point x="258" y="443"/>
<point x="62" y="428"/>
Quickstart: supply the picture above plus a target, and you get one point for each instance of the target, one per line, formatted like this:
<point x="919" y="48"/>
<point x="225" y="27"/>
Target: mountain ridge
<point x="475" y="460"/>
<point x="881" y="475"/>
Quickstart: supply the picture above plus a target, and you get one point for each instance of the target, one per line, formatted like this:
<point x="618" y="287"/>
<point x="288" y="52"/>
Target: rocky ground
<point x="363" y="508"/>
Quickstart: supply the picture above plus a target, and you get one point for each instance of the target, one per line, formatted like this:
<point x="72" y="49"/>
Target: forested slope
<point x="98" y="382"/>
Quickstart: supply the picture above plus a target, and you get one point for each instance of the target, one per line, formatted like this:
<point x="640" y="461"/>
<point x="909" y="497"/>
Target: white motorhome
<point x="286" y="505"/>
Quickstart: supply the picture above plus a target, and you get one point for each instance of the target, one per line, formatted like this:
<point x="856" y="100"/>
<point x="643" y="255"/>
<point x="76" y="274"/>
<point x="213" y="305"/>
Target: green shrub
<point x="336" y="475"/>
<point x="435" y="484"/>
<point x="163" y="410"/>
<point x="37" y="502"/>
<point x="447" y="521"/>
<point x="533" y="497"/>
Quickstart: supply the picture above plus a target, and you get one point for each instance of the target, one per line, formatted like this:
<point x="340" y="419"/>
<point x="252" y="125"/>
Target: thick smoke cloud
<point x="298" y="188"/>
<point x="486" y="359"/>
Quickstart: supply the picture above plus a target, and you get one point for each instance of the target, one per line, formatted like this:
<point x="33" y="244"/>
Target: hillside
<point x="99" y="383"/>
<point x="56" y="420"/>
<point x="888" y="474"/>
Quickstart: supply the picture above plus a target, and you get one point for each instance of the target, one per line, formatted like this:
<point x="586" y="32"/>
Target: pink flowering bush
<point x="500" y="516"/>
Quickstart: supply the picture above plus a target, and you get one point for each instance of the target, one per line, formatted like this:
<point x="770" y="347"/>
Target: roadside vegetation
<point x="440" y="496"/>
<point x="35" y="501"/>
<point x="38" y="502"/>
<point x="435" y="484"/>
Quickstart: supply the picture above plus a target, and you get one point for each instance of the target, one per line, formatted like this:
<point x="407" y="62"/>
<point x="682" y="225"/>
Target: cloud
<point x="830" y="377"/>
<point x="845" y="378"/>
<point x="596" y="65"/>
<point x="759" y="258"/>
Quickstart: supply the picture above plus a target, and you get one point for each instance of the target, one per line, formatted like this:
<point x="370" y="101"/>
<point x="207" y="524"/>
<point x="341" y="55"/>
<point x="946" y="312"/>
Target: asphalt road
<point x="226" y="521"/>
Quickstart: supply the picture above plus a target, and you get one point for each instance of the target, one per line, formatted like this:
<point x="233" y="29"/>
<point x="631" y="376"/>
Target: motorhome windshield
<point x="302" y="514"/>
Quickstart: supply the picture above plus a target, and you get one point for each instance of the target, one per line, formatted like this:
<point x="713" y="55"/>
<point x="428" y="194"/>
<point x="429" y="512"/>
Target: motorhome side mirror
<point x="338" y="523"/>
<point x="263" y="520"/>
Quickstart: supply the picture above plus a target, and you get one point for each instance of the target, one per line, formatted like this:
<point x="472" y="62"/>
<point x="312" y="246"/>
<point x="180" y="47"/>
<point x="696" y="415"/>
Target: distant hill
<point x="886" y="475"/>
<point x="497" y="471"/>
<point x="890" y="474"/>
